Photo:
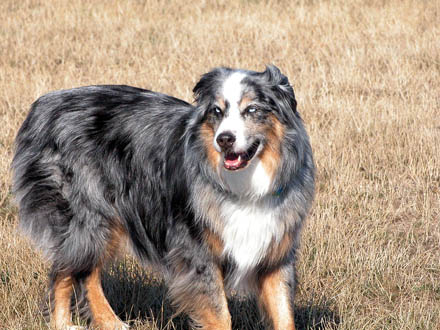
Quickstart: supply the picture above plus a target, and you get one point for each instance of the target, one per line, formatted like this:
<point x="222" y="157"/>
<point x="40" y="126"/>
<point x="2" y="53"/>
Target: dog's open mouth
<point x="235" y="161"/>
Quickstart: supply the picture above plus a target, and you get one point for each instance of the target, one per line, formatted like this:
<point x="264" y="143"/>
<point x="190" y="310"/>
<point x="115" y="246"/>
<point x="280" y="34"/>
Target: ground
<point x="367" y="79"/>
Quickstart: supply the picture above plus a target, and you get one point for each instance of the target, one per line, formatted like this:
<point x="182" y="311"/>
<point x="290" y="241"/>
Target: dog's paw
<point x="113" y="326"/>
<point x="121" y="326"/>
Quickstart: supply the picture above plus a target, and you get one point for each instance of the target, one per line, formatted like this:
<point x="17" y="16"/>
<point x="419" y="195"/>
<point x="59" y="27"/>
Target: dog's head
<point x="245" y="114"/>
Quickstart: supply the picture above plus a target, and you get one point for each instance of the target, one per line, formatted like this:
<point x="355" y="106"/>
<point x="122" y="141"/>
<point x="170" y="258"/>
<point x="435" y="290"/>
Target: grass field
<point x="367" y="79"/>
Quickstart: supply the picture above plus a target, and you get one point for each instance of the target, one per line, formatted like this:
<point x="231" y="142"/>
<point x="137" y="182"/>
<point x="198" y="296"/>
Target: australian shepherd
<point x="214" y="193"/>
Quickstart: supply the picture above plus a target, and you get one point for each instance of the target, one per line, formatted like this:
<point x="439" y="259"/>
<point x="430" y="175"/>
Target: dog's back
<point x="80" y="151"/>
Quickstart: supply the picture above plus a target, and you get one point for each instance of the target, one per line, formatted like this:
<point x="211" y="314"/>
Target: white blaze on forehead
<point x="232" y="91"/>
<point x="232" y="88"/>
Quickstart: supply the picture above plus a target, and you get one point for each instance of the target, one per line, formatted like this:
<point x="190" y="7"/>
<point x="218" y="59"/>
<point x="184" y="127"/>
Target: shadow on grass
<point x="139" y="297"/>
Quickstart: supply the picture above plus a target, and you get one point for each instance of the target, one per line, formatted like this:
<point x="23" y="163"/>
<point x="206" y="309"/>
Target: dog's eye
<point x="217" y="111"/>
<point x="251" y="110"/>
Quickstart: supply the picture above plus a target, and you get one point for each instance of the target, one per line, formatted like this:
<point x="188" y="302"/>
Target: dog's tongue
<point x="234" y="161"/>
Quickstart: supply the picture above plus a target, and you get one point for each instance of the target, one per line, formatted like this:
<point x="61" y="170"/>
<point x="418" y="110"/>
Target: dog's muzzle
<point x="235" y="160"/>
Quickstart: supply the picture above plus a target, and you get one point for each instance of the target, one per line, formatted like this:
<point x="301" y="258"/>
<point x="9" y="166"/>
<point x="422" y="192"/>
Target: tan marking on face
<point x="221" y="102"/>
<point x="271" y="154"/>
<point x="214" y="242"/>
<point x="207" y="135"/>
<point x="103" y="316"/>
<point x="275" y="300"/>
<point x="63" y="289"/>
<point x="246" y="100"/>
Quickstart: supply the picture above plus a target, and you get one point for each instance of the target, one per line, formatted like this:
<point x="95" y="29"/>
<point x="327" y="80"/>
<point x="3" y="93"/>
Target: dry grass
<point x="367" y="79"/>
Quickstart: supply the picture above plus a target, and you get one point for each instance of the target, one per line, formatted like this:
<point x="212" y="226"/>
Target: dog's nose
<point x="225" y="140"/>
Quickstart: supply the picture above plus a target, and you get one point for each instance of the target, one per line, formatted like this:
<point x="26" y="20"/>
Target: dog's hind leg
<point x="104" y="318"/>
<point x="62" y="289"/>
<point x="84" y="274"/>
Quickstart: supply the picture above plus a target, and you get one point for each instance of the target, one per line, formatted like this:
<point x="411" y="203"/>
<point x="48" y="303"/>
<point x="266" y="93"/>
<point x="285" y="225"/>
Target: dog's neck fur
<point x="252" y="182"/>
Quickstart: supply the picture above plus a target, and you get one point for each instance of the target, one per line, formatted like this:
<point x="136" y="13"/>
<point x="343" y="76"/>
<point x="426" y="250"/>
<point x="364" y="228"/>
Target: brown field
<point x="367" y="79"/>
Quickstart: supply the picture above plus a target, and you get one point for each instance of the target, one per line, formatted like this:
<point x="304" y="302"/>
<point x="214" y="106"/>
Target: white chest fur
<point x="249" y="229"/>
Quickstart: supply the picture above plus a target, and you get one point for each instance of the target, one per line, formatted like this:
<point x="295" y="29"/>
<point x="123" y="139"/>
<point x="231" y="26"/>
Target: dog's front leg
<point x="276" y="297"/>
<point x="196" y="287"/>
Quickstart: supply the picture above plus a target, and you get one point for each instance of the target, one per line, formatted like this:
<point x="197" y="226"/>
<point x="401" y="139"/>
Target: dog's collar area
<point x="278" y="191"/>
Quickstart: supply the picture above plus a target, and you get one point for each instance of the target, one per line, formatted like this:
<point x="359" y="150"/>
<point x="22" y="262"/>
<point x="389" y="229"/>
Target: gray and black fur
<point x="94" y="161"/>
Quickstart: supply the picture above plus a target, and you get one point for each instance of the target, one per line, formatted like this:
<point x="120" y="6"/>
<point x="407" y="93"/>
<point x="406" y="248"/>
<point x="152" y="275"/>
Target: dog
<point x="213" y="193"/>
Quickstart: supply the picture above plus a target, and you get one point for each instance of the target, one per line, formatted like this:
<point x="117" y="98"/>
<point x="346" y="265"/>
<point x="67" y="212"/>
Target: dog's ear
<point x="206" y="85"/>
<point x="280" y="87"/>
